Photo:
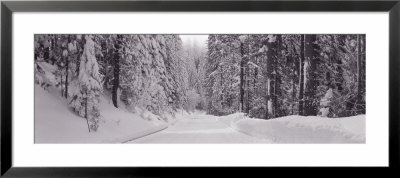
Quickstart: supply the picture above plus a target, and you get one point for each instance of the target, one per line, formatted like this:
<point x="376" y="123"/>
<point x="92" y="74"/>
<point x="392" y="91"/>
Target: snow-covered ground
<point x="199" y="128"/>
<point x="301" y="129"/>
<point x="55" y="122"/>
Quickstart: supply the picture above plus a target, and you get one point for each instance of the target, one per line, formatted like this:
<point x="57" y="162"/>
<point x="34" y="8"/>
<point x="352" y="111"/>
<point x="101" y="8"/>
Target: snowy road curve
<point x="207" y="130"/>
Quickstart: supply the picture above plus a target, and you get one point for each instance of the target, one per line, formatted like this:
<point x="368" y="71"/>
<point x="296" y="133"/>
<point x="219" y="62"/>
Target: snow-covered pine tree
<point x="257" y="78"/>
<point x="152" y="73"/>
<point x="222" y="74"/>
<point x="332" y="70"/>
<point x="70" y="62"/>
<point x="106" y="59"/>
<point x="340" y="71"/>
<point x="86" y="88"/>
<point x="176" y="71"/>
<point x="194" y="58"/>
<point x="210" y="67"/>
<point x="290" y="72"/>
<point x="136" y="72"/>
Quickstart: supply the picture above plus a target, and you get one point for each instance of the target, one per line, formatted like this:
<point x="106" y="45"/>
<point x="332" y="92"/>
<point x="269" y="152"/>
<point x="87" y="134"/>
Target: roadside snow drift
<point x="301" y="129"/>
<point x="55" y="122"/>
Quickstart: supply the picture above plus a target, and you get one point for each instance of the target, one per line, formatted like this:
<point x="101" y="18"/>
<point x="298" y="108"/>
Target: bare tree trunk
<point x="221" y="85"/>
<point x="293" y="95"/>
<point x="271" y="55"/>
<point x="339" y="82"/>
<point x="301" y="84"/>
<point x="278" y="46"/>
<point x="61" y="84"/>
<point x="248" y="89"/>
<point x="86" y="114"/>
<point x="66" y="78"/>
<point x="53" y="46"/>
<point x="274" y="97"/>
<point x="241" y="84"/>
<point x="363" y="47"/>
<point x="266" y="92"/>
<point x="80" y="53"/>
<point x="294" y="75"/>
<point x="255" y="79"/>
<point x="311" y="56"/>
<point x="255" y="91"/>
<point x="117" y="56"/>
<point x="359" y="56"/>
<point x="267" y="99"/>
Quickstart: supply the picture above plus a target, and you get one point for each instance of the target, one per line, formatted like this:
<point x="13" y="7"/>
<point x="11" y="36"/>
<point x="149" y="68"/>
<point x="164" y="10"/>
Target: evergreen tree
<point x="263" y="75"/>
<point x="86" y="89"/>
<point x="222" y="75"/>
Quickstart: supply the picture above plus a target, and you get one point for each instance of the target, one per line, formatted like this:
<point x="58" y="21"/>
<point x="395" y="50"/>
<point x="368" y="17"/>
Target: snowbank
<point x="55" y="122"/>
<point x="301" y="129"/>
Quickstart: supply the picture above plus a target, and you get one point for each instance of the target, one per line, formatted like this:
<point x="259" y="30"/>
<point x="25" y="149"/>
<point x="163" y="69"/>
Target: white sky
<point x="200" y="40"/>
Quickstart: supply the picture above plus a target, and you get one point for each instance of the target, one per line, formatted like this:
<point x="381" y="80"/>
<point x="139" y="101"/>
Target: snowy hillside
<point x="301" y="129"/>
<point x="55" y="122"/>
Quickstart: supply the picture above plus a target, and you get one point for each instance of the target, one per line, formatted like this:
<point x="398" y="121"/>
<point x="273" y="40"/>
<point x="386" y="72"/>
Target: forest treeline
<point x="147" y="71"/>
<point x="269" y="76"/>
<point x="265" y="76"/>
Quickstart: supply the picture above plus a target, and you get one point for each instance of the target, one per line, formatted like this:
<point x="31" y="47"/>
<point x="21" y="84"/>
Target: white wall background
<point x="373" y="153"/>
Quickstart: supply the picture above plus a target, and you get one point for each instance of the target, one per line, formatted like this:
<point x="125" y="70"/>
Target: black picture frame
<point x="8" y="7"/>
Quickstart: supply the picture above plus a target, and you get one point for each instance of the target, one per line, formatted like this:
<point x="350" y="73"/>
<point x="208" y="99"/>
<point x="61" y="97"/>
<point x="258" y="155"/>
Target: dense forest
<point x="269" y="76"/>
<point x="264" y="76"/>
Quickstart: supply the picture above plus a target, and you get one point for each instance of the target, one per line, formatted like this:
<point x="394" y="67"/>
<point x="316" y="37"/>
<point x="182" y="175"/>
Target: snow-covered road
<point x="201" y="130"/>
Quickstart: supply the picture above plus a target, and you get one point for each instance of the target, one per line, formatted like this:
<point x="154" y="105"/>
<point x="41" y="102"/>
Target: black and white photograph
<point x="200" y="88"/>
